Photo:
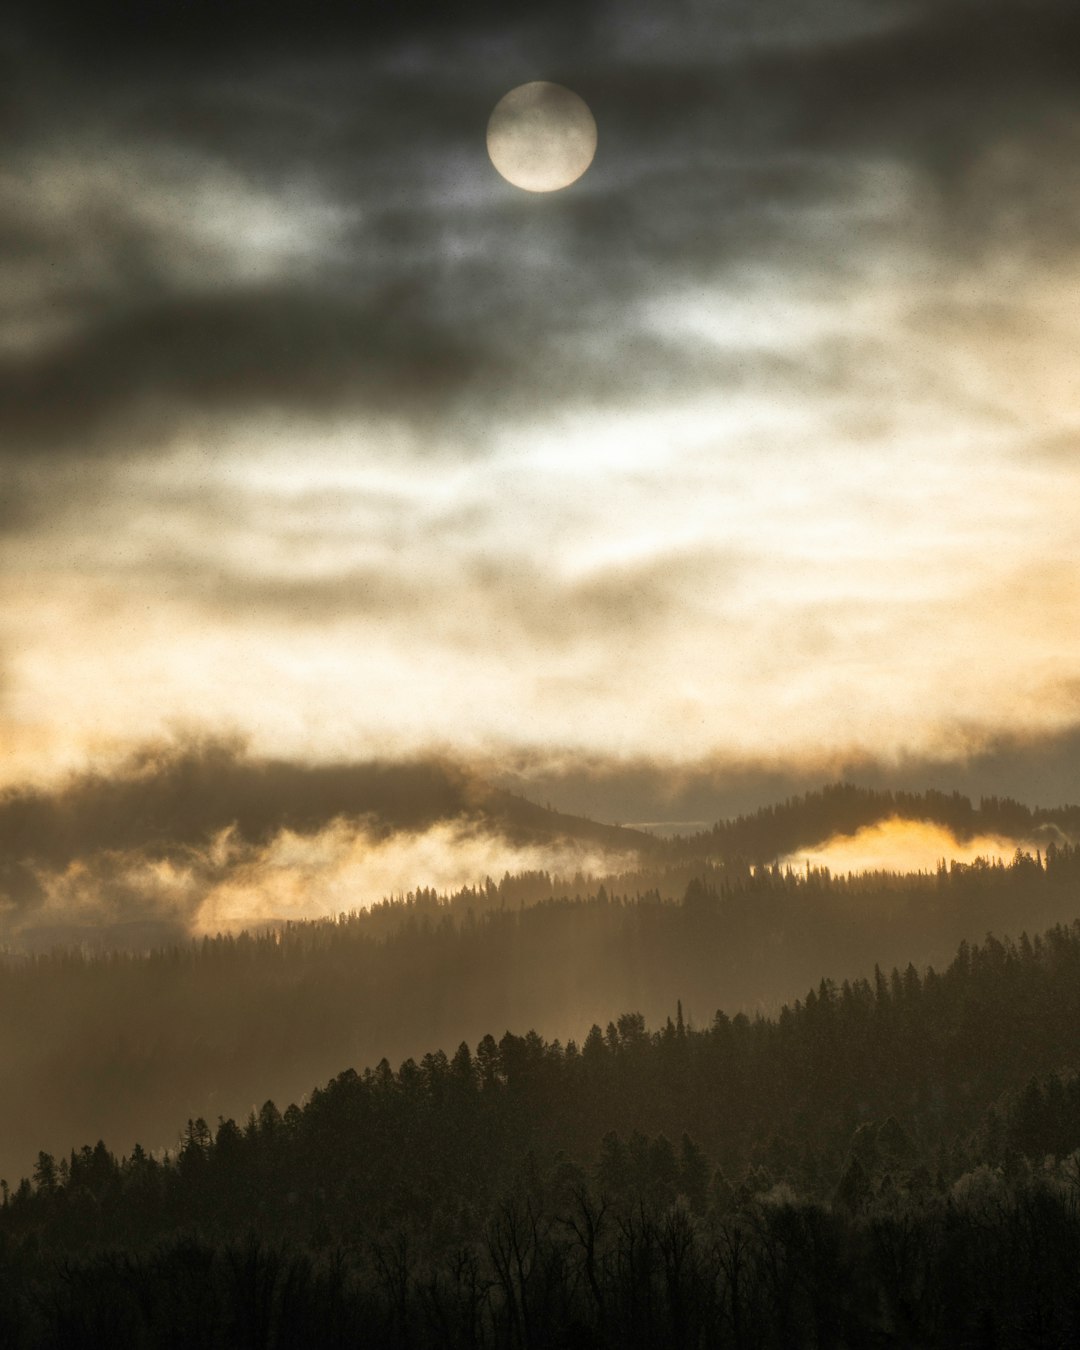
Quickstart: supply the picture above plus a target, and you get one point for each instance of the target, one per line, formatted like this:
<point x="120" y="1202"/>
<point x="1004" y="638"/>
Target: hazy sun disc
<point x="541" y="136"/>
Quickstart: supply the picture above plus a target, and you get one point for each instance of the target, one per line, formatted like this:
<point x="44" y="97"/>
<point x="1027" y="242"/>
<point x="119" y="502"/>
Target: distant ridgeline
<point x="842" y="809"/>
<point x="893" y="1161"/>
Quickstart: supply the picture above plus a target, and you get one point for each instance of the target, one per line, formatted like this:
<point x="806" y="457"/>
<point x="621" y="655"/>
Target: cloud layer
<point x="758" y="443"/>
<point x="202" y="838"/>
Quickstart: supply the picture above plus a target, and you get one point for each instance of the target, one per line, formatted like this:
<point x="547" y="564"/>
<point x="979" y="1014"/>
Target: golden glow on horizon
<point x="343" y="868"/>
<point x="228" y="885"/>
<point x="900" y="846"/>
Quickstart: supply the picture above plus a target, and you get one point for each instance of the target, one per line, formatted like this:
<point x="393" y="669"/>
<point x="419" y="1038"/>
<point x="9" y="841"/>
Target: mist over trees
<point x="842" y="809"/>
<point x="128" y="859"/>
<point x="164" y="797"/>
<point x="79" y="861"/>
<point x="122" y="1045"/>
<point x="869" y="1162"/>
<point x="895" y="1160"/>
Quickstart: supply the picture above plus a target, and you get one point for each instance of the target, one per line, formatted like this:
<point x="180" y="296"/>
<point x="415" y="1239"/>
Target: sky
<point x="756" y="446"/>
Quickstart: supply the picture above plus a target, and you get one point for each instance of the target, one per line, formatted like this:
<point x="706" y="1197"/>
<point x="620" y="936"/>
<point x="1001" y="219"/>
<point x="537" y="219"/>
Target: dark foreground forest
<point x="894" y="1161"/>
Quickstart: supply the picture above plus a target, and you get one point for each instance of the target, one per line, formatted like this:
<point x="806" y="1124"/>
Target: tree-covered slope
<point x="123" y="1046"/>
<point x="839" y="809"/>
<point x="876" y="1165"/>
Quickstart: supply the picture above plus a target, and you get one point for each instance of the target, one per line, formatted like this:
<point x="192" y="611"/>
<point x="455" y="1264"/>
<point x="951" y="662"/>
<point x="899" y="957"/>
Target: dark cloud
<point x="171" y="796"/>
<point x="118" y="33"/>
<point x="713" y="160"/>
<point x="936" y="91"/>
<point x="175" y="795"/>
<point x="101" y="834"/>
<point x="942" y="85"/>
<point x="80" y="858"/>
<point x="216" y="353"/>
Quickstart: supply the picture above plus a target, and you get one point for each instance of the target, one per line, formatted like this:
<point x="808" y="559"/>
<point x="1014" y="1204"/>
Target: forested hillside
<point x="124" y="1045"/>
<point x="842" y="808"/>
<point x="140" y="858"/>
<point x="891" y="1161"/>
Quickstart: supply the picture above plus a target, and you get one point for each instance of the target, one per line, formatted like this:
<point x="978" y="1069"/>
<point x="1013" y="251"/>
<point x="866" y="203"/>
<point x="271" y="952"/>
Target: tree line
<point x="891" y="1160"/>
<point x="811" y="818"/>
<point x="123" y="1045"/>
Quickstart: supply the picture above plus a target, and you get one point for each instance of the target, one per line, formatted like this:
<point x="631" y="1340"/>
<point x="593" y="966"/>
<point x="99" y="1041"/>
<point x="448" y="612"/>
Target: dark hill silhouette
<point x="164" y="800"/>
<point x="891" y="1161"/>
<point x="841" y="809"/>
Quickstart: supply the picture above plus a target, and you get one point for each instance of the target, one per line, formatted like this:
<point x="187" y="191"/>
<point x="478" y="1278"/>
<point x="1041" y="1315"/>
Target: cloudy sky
<point x="758" y="444"/>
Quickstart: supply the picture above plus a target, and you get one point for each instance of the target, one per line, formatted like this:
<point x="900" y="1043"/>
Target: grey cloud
<point x="368" y="593"/>
<point x="120" y="34"/>
<point x="936" y="91"/>
<point x="171" y="796"/>
<point x="1062" y="450"/>
<point x="943" y="84"/>
<point x="167" y="803"/>
<point x="177" y="794"/>
<point x="611" y="603"/>
<point x="265" y="347"/>
<point x="704" y="166"/>
<point x="127" y="857"/>
<point x="1036" y="770"/>
<point x="20" y="511"/>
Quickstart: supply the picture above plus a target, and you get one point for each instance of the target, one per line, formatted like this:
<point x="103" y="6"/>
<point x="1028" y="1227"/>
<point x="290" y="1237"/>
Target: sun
<point x="541" y="136"/>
